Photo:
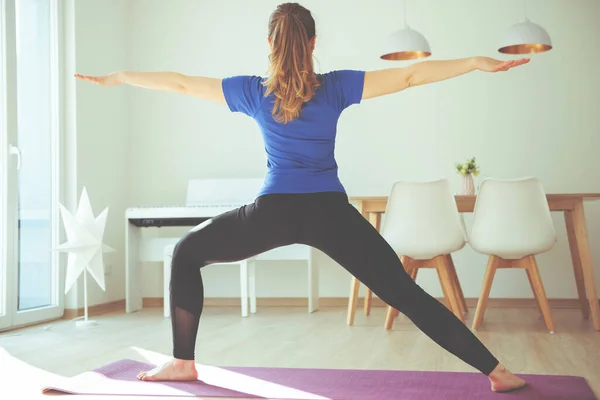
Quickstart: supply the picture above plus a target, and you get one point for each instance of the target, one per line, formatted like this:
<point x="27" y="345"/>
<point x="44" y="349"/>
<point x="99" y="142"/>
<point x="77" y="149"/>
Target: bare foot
<point x="504" y="381"/>
<point x="174" y="370"/>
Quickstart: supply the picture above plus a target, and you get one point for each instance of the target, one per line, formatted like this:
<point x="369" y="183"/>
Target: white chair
<point x="296" y="252"/>
<point x="512" y="224"/>
<point x="424" y="228"/>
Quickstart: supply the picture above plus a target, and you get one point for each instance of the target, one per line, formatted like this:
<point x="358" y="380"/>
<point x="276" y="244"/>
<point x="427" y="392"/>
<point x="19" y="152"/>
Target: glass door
<point x="33" y="273"/>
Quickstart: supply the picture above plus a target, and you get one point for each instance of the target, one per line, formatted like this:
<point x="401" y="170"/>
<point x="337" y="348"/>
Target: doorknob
<point x="14" y="150"/>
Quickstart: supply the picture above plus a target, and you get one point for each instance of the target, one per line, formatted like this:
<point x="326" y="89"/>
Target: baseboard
<point x="303" y="302"/>
<point x="376" y="302"/>
<point x="71" y="313"/>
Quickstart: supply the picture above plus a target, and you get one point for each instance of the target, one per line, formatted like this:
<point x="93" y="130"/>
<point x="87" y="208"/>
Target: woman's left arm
<point x="205" y="88"/>
<point x="392" y="80"/>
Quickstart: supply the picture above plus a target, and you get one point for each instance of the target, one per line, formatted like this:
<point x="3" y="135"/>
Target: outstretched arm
<point x="392" y="80"/>
<point x="202" y="87"/>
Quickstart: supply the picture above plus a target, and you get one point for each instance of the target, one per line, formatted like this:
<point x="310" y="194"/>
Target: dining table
<point x="570" y="204"/>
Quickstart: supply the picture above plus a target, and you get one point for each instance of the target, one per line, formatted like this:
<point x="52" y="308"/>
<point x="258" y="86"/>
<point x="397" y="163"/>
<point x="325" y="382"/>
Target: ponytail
<point x="291" y="74"/>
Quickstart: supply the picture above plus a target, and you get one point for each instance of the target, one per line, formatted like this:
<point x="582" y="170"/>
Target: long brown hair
<point x="291" y="73"/>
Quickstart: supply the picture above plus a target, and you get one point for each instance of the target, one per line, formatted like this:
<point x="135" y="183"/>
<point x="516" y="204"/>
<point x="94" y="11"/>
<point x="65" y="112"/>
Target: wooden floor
<point x="290" y="337"/>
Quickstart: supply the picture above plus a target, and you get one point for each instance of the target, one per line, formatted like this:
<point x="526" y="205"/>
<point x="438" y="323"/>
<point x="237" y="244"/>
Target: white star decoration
<point x="84" y="242"/>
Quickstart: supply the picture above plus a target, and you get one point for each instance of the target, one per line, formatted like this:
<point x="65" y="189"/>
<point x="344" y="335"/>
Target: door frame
<point x="7" y="132"/>
<point x="13" y="317"/>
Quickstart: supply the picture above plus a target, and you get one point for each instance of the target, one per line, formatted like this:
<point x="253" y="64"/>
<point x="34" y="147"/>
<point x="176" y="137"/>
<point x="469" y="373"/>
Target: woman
<point x="302" y="199"/>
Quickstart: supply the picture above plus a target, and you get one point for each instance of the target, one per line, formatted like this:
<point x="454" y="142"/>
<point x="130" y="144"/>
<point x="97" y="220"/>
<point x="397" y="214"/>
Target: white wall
<point x="538" y="120"/>
<point x="102" y="132"/>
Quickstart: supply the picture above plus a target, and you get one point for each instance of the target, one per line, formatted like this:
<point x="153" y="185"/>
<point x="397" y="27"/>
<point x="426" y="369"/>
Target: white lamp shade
<point x="525" y="38"/>
<point x="406" y="44"/>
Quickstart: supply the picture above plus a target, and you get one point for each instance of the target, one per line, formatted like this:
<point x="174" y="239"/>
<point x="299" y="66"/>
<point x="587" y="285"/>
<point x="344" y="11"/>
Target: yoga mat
<point x="119" y="378"/>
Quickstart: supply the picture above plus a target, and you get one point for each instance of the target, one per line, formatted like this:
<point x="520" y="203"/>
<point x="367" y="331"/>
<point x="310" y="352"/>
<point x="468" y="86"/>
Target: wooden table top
<point x="550" y="196"/>
<point x="556" y="201"/>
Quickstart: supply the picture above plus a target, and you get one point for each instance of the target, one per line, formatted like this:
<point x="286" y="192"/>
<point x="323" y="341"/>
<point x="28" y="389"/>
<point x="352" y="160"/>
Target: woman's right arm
<point x="205" y="88"/>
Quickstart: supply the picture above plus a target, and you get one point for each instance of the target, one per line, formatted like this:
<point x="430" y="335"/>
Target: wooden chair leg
<point x="446" y="298"/>
<point x="389" y="318"/>
<point x="448" y="287"/>
<point x="485" y="291"/>
<point x="352" y="301"/>
<point x="444" y="291"/>
<point x="537" y="301"/>
<point x="413" y="273"/>
<point x="391" y="311"/>
<point x="368" y="301"/>
<point x="457" y="286"/>
<point x="538" y="286"/>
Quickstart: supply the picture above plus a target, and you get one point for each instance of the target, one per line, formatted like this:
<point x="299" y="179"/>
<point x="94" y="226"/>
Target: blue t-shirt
<point x="300" y="154"/>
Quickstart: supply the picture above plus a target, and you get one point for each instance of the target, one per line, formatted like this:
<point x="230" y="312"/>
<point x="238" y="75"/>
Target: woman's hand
<point x="113" y="79"/>
<point x="491" y="65"/>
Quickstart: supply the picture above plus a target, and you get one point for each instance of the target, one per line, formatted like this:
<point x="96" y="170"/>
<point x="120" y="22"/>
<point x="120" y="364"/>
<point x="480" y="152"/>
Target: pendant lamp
<point x="525" y="38"/>
<point x="406" y="44"/>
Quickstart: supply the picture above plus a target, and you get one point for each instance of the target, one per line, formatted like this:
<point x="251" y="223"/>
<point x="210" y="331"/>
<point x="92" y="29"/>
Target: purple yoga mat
<point x="119" y="378"/>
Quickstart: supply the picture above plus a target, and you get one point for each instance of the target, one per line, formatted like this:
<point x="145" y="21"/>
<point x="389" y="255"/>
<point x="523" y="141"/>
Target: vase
<point x="468" y="186"/>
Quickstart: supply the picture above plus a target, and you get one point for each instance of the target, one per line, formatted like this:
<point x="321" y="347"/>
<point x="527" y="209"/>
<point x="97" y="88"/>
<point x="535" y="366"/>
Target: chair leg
<point x="457" y="286"/>
<point x="392" y="312"/>
<point x="444" y="270"/>
<point x="352" y="301"/>
<point x="485" y="291"/>
<point x="252" y="284"/>
<point x="444" y="291"/>
<point x="413" y="273"/>
<point x="244" y="287"/>
<point x="446" y="299"/>
<point x="538" y="288"/>
<point x="537" y="301"/>
<point x="389" y="318"/>
<point x="368" y="301"/>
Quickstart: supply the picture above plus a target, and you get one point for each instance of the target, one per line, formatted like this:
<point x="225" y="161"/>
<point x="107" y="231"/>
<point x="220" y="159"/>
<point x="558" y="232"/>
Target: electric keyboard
<point x="176" y="216"/>
<point x="206" y="198"/>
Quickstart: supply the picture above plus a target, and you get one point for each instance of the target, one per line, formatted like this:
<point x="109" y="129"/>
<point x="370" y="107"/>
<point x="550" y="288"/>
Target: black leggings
<point x="325" y="221"/>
